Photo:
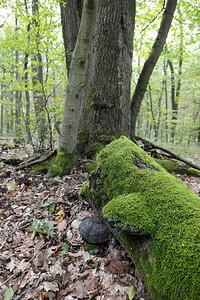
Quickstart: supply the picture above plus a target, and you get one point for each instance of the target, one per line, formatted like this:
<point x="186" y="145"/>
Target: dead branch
<point x="173" y="155"/>
<point x="37" y="161"/>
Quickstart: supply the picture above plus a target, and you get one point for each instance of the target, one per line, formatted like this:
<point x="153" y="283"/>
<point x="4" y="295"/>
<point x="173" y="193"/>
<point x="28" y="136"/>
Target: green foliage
<point x="46" y="39"/>
<point x="65" y="250"/>
<point x="50" y="206"/>
<point x="90" y="166"/>
<point x="148" y="200"/>
<point x="44" y="227"/>
<point x="92" y="249"/>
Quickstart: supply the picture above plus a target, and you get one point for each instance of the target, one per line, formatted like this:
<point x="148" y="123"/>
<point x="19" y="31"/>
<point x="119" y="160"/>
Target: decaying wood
<point x="37" y="161"/>
<point x="173" y="155"/>
<point x="153" y="215"/>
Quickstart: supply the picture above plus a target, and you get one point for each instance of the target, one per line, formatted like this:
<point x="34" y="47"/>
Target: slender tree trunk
<point x="76" y="81"/>
<point x="71" y="11"/>
<point x="166" y="98"/>
<point x="151" y="62"/>
<point x="27" y="96"/>
<point x="175" y="88"/>
<point x="37" y="78"/>
<point x="2" y="111"/>
<point x="17" y="92"/>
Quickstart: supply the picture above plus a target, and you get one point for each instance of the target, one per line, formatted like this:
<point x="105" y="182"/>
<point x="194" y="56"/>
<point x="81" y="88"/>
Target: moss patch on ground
<point x="139" y="196"/>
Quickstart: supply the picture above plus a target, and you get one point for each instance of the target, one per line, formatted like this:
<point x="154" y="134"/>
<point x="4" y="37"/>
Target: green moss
<point x="82" y="140"/>
<point x="62" y="163"/>
<point x="42" y="168"/>
<point x="175" y="167"/>
<point x="94" y="148"/>
<point x="90" y="167"/>
<point x="141" y="197"/>
<point x="85" y="191"/>
<point x="105" y="3"/>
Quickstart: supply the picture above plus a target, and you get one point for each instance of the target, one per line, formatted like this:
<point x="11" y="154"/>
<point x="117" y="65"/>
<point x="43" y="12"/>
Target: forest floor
<point x="42" y="255"/>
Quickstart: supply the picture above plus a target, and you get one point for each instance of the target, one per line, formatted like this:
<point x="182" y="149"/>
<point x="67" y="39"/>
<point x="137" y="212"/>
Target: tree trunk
<point x="71" y="11"/>
<point x="107" y="94"/>
<point x="27" y="96"/>
<point x="2" y="111"/>
<point x="151" y="62"/>
<point x="76" y="81"/>
<point x="37" y="78"/>
<point x="17" y="93"/>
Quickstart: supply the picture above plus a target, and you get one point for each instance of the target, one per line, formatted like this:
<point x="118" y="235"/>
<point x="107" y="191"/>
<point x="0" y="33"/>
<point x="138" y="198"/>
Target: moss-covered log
<point x="154" y="215"/>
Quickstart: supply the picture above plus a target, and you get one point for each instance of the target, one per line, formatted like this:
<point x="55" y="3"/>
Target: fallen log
<point x="154" y="215"/>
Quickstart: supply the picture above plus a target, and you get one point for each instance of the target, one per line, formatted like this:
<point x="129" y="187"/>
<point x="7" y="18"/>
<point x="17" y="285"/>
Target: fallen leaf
<point x="40" y="243"/>
<point x="8" y="294"/>
<point x="50" y="286"/>
<point x="131" y="292"/>
<point x="115" y="267"/>
<point x="80" y="292"/>
<point x="92" y="283"/>
<point x="62" y="225"/>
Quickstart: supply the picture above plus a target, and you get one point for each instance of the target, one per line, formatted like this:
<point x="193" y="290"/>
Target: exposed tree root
<point x="37" y="161"/>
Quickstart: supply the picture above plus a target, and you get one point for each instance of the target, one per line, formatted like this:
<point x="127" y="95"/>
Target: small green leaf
<point x="131" y="293"/>
<point x="76" y="224"/>
<point x="65" y="250"/>
<point x="57" y="178"/>
<point x="46" y="204"/>
<point x="52" y="208"/>
<point x="36" y="230"/>
<point x="93" y="266"/>
<point x="73" y="258"/>
<point x="91" y="249"/>
<point x="8" y="294"/>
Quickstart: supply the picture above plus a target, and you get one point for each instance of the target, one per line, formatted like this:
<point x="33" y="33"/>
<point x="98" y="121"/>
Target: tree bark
<point x="151" y="62"/>
<point x="37" y="77"/>
<point x="71" y="11"/>
<point x="107" y="96"/>
<point x="27" y="96"/>
<point x="77" y="78"/>
<point x="17" y="92"/>
<point x="2" y="111"/>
